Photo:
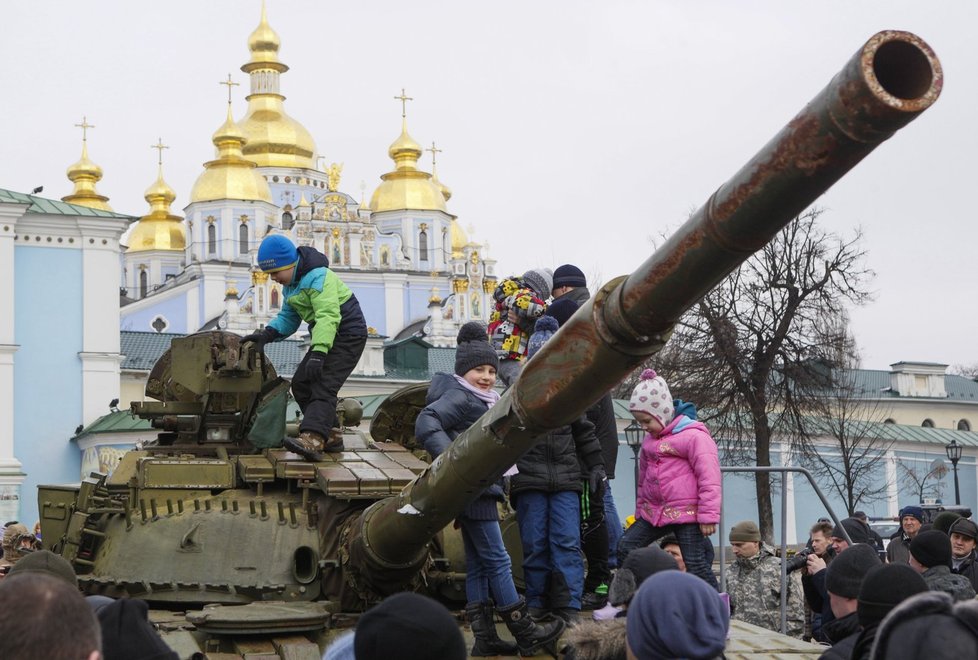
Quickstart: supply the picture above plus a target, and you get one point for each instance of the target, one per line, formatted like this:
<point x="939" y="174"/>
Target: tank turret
<point x="215" y="511"/>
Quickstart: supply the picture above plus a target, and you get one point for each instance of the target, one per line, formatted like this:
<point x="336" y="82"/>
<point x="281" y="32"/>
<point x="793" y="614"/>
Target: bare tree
<point x="916" y="479"/>
<point x="749" y="353"/>
<point x="969" y="371"/>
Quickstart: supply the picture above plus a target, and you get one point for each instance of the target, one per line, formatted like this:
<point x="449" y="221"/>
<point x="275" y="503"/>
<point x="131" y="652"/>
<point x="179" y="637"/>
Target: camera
<point x="800" y="560"/>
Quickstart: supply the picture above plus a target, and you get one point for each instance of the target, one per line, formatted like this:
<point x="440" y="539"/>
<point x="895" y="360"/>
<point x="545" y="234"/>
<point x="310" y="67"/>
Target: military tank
<point x="257" y="551"/>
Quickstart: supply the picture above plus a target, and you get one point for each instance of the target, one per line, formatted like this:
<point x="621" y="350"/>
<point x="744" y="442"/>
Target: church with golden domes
<point x="404" y="254"/>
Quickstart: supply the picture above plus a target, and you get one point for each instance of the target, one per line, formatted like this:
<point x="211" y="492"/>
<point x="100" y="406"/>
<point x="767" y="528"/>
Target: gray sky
<point x="572" y="131"/>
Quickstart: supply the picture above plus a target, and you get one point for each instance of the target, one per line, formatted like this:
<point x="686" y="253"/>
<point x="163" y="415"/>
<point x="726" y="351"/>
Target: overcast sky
<point x="572" y="131"/>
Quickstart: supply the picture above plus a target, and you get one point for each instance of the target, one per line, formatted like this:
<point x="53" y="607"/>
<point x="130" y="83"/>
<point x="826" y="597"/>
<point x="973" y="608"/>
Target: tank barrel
<point x="893" y="78"/>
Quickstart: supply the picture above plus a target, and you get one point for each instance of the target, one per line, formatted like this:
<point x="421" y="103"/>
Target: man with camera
<point x="819" y="546"/>
<point x="817" y="593"/>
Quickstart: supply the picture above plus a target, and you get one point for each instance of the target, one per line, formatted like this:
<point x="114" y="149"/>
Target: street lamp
<point x="634" y="433"/>
<point x="954" y="455"/>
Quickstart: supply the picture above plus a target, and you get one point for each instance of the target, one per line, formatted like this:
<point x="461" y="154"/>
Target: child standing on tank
<point x="454" y="403"/>
<point x="520" y="301"/>
<point x="338" y="333"/>
<point x="678" y="478"/>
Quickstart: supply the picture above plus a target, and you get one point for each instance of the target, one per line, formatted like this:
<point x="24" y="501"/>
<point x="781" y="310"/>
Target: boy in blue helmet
<point x="338" y="333"/>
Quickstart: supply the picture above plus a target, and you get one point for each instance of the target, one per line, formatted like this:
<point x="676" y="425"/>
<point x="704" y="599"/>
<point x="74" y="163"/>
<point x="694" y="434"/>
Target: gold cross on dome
<point x="403" y="98"/>
<point x="159" y="146"/>
<point x="85" y="126"/>
<point x="434" y="152"/>
<point x="230" y="84"/>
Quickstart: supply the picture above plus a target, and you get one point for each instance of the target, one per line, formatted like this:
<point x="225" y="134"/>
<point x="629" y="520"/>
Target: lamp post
<point x="954" y="455"/>
<point x="633" y="436"/>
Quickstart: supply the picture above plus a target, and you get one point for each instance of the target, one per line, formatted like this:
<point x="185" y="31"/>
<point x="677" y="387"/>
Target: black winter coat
<point x="969" y="569"/>
<point x="450" y="410"/>
<point x="554" y="463"/>
<point x="602" y="415"/>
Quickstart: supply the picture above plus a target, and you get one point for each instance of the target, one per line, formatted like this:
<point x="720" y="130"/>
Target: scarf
<point x="489" y="398"/>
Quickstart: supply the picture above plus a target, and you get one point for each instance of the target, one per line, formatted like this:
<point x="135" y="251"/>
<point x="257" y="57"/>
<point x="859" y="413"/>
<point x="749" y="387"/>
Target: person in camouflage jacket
<point x="754" y="584"/>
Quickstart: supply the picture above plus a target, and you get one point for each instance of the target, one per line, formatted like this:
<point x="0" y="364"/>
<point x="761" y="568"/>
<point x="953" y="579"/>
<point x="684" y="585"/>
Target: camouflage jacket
<point x="754" y="586"/>
<point x="940" y="578"/>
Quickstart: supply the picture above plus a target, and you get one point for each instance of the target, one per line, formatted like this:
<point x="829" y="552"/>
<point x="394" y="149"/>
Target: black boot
<point x="531" y="637"/>
<point x="487" y="641"/>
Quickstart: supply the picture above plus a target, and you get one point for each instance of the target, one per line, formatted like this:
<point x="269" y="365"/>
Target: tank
<point x="257" y="551"/>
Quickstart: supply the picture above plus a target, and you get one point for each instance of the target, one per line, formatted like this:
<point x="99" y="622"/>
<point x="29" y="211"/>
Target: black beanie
<point x="473" y="348"/>
<point x="127" y="633"/>
<point x="562" y="309"/>
<point x="931" y="548"/>
<point x="408" y="626"/>
<point x="568" y="275"/>
<point x="845" y="574"/>
<point x="883" y="588"/>
<point x="858" y="531"/>
<point x="640" y="564"/>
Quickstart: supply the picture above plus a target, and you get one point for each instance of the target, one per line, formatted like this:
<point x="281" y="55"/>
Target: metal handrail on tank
<point x="888" y="82"/>
<point x="783" y="471"/>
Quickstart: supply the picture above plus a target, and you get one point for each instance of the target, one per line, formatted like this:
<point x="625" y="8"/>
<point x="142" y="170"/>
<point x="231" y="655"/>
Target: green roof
<point x="55" y="207"/>
<point x="119" y="421"/>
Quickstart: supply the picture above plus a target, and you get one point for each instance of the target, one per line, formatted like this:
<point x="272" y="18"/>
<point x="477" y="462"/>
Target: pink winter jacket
<point x="679" y="475"/>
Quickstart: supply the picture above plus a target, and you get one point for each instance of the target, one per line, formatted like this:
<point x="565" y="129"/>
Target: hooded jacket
<point x="679" y="475"/>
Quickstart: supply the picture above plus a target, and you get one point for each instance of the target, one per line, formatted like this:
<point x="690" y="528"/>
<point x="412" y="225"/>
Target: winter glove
<point x="314" y="365"/>
<point x="596" y="479"/>
<point x="260" y="338"/>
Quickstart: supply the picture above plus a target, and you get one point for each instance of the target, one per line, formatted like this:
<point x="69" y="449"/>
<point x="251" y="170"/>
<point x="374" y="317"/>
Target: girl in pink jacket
<point x="678" y="478"/>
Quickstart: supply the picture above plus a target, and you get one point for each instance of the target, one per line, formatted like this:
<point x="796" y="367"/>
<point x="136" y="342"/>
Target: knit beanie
<point x="127" y="633"/>
<point x="931" y="548"/>
<point x="543" y="330"/>
<point x="964" y="527"/>
<point x="676" y="615"/>
<point x="884" y="587"/>
<point x="45" y="561"/>
<point x="276" y="253"/>
<point x="844" y="576"/>
<point x="474" y="348"/>
<point x="562" y="309"/>
<point x="652" y="397"/>
<point x="540" y="280"/>
<point x="858" y="531"/>
<point x="638" y="566"/>
<point x="568" y="275"/>
<point x="914" y="511"/>
<point x="408" y="626"/>
<point x="944" y="520"/>
<point x="745" y="531"/>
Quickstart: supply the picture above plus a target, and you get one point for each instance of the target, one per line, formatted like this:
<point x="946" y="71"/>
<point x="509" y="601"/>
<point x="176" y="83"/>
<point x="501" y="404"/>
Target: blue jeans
<point x="553" y="566"/>
<point x="691" y="544"/>
<point x="614" y="526"/>
<point x="488" y="568"/>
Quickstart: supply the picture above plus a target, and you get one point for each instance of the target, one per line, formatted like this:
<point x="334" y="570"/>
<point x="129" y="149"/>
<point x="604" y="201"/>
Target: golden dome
<point x="446" y="192"/>
<point x="406" y="187"/>
<point x="85" y="174"/>
<point x="160" y="230"/>
<point x="273" y="138"/>
<point x="459" y="238"/>
<point x="231" y="175"/>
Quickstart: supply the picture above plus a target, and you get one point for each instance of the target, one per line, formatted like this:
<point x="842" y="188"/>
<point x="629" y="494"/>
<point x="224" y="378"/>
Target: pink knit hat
<point x="652" y="396"/>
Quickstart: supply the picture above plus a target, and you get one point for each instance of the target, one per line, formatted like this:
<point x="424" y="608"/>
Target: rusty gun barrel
<point x="893" y="78"/>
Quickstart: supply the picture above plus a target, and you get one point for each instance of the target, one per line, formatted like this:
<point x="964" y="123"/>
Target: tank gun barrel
<point x="893" y="78"/>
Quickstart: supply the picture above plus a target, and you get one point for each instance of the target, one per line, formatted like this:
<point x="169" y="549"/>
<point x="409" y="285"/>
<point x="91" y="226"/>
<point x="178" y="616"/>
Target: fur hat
<point x="638" y="565"/>
<point x="883" y="588"/>
<point x="745" y="531"/>
<point x="929" y="625"/>
<point x="652" y="397"/>
<point x="858" y="531"/>
<point x="562" y="309"/>
<point x="408" y="626"/>
<point x="127" y="633"/>
<point x="276" y="253"/>
<point x="45" y="561"/>
<point x="844" y="575"/>
<point x="540" y="280"/>
<point x="944" y="520"/>
<point x="568" y="275"/>
<point x="964" y="527"/>
<point x="474" y="348"/>
<point x="931" y="548"/>
<point x="543" y="330"/>
<point x="914" y="511"/>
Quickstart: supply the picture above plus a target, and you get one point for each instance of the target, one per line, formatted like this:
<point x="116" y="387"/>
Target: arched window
<point x="143" y="283"/>
<point x="286" y="220"/>
<point x="927" y="423"/>
<point x="889" y="420"/>
<point x="964" y="425"/>
<point x="423" y="245"/>
<point x="211" y="239"/>
<point x="243" y="238"/>
<point x="274" y="298"/>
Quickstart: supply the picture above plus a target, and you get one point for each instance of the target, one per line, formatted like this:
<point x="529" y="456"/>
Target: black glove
<point x="260" y="338"/>
<point x="314" y="365"/>
<point x="596" y="479"/>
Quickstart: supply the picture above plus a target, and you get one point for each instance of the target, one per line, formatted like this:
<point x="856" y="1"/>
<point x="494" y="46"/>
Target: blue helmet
<point x="276" y="253"/>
